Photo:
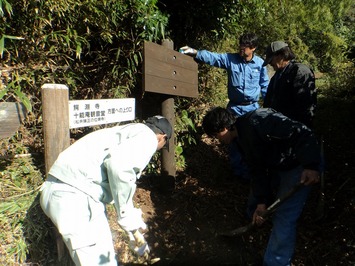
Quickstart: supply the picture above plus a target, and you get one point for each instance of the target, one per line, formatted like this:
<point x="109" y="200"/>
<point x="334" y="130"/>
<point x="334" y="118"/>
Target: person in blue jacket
<point x="280" y="153"/>
<point x="247" y="83"/>
<point x="100" y="168"/>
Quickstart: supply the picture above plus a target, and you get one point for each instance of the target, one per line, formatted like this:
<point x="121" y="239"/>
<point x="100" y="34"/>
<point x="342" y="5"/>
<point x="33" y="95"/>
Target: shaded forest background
<point x="95" y="48"/>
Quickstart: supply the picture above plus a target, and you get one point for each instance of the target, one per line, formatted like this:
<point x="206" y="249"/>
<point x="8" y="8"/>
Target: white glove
<point x="132" y="220"/>
<point x="188" y="51"/>
<point x="138" y="244"/>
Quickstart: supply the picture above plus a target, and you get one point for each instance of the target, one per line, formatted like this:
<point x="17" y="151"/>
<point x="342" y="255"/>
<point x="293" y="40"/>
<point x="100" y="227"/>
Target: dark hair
<point x="249" y="39"/>
<point x="217" y="119"/>
<point x="286" y="53"/>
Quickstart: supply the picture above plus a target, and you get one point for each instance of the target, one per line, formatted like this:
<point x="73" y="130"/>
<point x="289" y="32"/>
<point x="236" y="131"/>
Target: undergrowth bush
<point x="340" y="82"/>
<point x="20" y="182"/>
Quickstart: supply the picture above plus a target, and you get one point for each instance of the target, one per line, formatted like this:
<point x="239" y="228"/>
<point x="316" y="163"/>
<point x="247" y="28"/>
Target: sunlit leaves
<point x="5" y="5"/>
<point x="93" y="46"/>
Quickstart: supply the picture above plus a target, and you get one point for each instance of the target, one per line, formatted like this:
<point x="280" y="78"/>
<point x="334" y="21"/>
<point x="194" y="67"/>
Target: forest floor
<point x="185" y="223"/>
<point x="185" y="220"/>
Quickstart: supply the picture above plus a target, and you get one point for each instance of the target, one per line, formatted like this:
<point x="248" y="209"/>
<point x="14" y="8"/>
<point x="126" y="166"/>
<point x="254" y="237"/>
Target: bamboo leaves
<point x="7" y="6"/>
<point x="2" y="42"/>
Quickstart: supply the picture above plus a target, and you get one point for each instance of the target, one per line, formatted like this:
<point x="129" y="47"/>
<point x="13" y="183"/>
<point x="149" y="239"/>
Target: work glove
<point x="132" y="220"/>
<point x="188" y="51"/>
<point x="138" y="244"/>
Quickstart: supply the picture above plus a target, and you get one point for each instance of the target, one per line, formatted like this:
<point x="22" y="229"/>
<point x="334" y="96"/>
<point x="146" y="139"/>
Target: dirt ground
<point x="185" y="219"/>
<point x="185" y="222"/>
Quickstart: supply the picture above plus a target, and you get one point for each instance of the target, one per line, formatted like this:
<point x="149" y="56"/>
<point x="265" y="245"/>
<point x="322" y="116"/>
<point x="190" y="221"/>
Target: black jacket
<point x="269" y="140"/>
<point x="292" y="92"/>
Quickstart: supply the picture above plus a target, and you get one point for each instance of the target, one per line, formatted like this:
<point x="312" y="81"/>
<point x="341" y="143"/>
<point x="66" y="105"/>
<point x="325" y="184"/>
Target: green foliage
<point x="20" y="182"/>
<point x="13" y="91"/>
<point x="2" y="42"/>
<point x="7" y="6"/>
<point x="92" y="46"/>
<point x="184" y="132"/>
<point x="184" y="129"/>
<point x="153" y="166"/>
<point x="339" y="83"/>
<point x="320" y="42"/>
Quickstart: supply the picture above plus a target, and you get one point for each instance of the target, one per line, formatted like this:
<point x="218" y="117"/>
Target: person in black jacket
<point x="291" y="90"/>
<point x="280" y="153"/>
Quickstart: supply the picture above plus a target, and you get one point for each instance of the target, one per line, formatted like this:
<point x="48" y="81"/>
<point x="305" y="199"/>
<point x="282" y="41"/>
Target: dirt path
<point x="184" y="224"/>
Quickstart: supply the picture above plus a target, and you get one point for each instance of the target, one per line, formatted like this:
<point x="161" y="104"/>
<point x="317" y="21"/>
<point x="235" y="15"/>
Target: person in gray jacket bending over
<point x="98" y="168"/>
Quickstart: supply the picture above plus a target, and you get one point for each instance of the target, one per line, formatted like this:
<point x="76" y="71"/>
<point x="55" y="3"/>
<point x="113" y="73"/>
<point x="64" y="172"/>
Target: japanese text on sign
<point x="84" y="113"/>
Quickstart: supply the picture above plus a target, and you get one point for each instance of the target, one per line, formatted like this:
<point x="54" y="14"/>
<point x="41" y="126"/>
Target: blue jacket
<point x="246" y="80"/>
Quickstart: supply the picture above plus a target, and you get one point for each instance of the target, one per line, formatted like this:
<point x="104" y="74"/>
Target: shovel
<point x="265" y="215"/>
<point x="320" y="209"/>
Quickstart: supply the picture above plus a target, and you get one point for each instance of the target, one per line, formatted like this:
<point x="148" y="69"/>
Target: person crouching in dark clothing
<point x="280" y="153"/>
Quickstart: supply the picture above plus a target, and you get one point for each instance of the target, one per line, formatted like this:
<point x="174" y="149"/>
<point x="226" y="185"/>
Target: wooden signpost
<point x="11" y="116"/>
<point x="164" y="71"/>
<point x="169" y="72"/>
<point x="55" y="113"/>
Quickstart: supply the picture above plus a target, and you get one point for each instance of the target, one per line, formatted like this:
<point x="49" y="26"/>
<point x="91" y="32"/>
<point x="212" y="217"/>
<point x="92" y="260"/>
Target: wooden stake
<point x="55" y="115"/>
<point x="168" y="157"/>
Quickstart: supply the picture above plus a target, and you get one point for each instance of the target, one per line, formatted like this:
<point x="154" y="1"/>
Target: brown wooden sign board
<point x="169" y="72"/>
<point x="11" y="116"/>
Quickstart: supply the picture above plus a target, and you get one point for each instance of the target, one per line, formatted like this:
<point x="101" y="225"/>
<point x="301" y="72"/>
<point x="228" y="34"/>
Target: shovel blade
<point x="237" y="232"/>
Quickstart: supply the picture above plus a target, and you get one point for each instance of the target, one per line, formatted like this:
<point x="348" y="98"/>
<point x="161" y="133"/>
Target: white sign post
<point x="60" y="115"/>
<point x="83" y="113"/>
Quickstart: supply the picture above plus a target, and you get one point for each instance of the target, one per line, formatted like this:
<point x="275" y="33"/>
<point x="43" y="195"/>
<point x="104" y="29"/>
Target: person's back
<point x="281" y="154"/>
<point x="81" y="164"/>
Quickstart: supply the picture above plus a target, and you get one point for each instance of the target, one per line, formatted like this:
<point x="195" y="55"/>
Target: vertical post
<point x="168" y="157"/>
<point x="55" y="115"/>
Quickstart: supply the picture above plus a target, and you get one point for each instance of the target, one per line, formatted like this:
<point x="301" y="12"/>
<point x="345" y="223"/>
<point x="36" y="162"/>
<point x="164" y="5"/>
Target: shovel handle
<point x="266" y="214"/>
<point x="281" y="199"/>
